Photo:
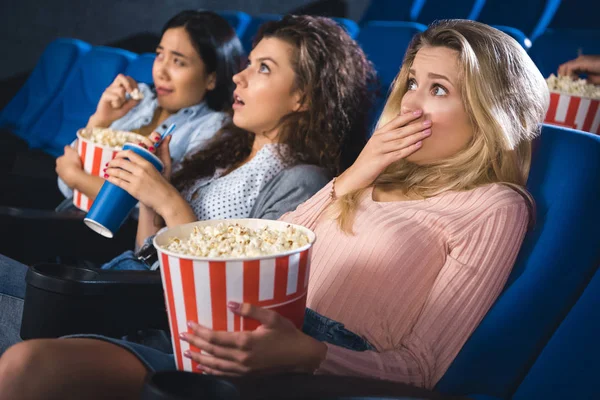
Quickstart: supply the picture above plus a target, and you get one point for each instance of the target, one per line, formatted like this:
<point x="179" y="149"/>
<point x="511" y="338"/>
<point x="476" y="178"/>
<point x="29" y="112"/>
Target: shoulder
<point x="487" y="199"/>
<point x="303" y="174"/>
<point x="490" y="205"/>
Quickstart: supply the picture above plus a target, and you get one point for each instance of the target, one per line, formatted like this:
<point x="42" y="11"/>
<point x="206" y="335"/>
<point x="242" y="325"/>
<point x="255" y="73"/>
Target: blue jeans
<point x="126" y="262"/>
<point x="153" y="348"/>
<point x="12" y="293"/>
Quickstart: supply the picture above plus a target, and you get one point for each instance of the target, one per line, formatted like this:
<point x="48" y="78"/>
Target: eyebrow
<point x="267" y="59"/>
<point x="434" y="75"/>
<point x="172" y="52"/>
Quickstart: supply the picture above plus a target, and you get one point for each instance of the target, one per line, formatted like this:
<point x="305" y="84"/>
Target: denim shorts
<point x="153" y="348"/>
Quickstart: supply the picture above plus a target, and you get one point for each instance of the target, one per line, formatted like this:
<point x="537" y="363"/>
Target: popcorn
<point x="234" y="240"/>
<point x="579" y="87"/>
<point x="136" y="94"/>
<point x="110" y="137"/>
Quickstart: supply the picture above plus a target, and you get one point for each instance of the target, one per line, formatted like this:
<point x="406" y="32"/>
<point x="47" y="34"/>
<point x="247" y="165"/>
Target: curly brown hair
<point x="335" y="79"/>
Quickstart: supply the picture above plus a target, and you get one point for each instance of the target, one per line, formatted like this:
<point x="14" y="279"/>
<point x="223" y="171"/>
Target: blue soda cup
<point x="113" y="204"/>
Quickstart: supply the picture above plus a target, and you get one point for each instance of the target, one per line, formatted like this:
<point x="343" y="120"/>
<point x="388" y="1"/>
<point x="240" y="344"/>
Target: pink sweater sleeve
<point x="471" y="279"/>
<point x="307" y="213"/>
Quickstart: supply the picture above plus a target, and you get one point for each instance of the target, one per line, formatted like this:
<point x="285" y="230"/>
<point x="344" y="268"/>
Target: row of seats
<point x="66" y="84"/>
<point x="64" y="88"/>
<point x="531" y="17"/>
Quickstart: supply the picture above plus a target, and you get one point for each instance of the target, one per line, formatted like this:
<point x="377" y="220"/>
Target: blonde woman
<point x="416" y="238"/>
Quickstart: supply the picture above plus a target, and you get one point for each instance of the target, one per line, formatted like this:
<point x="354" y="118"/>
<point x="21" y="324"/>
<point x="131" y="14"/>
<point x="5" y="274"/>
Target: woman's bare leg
<point x="70" y="369"/>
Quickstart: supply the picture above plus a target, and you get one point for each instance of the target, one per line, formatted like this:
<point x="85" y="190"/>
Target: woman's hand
<point x="113" y="103"/>
<point x="584" y="64"/>
<point x="142" y="180"/>
<point x="394" y="141"/>
<point x="69" y="167"/>
<point x="275" y="346"/>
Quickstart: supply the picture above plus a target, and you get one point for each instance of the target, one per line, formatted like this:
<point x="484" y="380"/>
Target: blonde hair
<point x="505" y="97"/>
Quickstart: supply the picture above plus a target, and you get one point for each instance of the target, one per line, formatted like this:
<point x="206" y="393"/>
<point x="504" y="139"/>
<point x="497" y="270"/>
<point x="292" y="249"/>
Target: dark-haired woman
<point x="195" y="60"/>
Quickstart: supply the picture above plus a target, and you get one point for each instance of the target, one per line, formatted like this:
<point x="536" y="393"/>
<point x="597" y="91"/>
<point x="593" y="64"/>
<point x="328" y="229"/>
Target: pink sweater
<point x="416" y="278"/>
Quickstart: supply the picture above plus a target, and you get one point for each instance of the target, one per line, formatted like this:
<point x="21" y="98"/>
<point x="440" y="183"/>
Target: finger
<point x="155" y="137"/>
<point x="122" y="81"/>
<point x="237" y="340"/>
<point x="125" y="165"/>
<point x="225" y="353"/>
<point x="216" y="364"/>
<point x="147" y="143"/>
<point x="133" y="158"/>
<point x="398" y="121"/>
<point x="118" y="173"/>
<point x="266" y="317"/>
<point x="132" y="83"/>
<point x="405" y="152"/>
<point x="405" y="131"/>
<point x="216" y="372"/>
<point x="119" y="182"/>
<point x="403" y="143"/>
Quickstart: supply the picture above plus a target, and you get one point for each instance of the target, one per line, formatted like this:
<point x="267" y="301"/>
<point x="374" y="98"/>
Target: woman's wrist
<point x="95" y="122"/>
<point x="174" y="209"/>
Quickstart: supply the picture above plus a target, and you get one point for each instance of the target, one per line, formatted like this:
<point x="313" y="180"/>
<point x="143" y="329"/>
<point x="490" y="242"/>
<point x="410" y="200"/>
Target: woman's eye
<point x="412" y="84"/>
<point x="178" y="62"/>
<point x="439" y="91"/>
<point x="159" y="55"/>
<point x="264" y="68"/>
<point x="247" y="64"/>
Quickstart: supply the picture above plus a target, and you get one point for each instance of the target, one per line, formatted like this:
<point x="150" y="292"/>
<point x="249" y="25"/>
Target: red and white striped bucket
<point x="574" y="112"/>
<point x="198" y="289"/>
<point x="93" y="157"/>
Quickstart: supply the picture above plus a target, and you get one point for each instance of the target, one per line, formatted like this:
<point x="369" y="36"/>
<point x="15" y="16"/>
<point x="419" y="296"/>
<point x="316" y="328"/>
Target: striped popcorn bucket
<point x="93" y="157"/>
<point x="574" y="112"/>
<point x="198" y="289"/>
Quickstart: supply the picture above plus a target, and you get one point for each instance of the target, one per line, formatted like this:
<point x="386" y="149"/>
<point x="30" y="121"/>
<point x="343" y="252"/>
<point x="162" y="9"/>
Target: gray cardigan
<point x="288" y="189"/>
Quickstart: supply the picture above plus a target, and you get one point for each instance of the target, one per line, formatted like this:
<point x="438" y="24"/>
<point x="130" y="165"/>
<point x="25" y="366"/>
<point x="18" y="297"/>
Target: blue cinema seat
<point x="530" y="17"/>
<point x="568" y="367"/>
<point x="516" y="34"/>
<point x="389" y="10"/>
<point x="350" y="26"/>
<point x="238" y="20"/>
<point x="577" y="14"/>
<point x="43" y="84"/>
<point x="557" y="260"/>
<point x="140" y="68"/>
<point x="78" y="99"/>
<point x="427" y="11"/>
<point x="252" y="28"/>
<point x="557" y="46"/>
<point x="385" y="43"/>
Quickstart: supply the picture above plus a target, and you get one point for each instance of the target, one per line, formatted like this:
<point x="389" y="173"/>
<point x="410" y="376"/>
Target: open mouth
<point x="237" y="100"/>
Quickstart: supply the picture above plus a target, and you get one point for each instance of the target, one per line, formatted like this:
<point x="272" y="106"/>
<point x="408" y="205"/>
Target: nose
<point x="412" y="103"/>
<point x="160" y="70"/>
<point x="239" y="79"/>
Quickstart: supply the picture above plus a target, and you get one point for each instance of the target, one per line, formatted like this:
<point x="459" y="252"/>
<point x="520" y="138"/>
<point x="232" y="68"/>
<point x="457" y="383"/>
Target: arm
<point x="466" y="287"/>
<point x="70" y="171"/>
<point x="113" y="103"/>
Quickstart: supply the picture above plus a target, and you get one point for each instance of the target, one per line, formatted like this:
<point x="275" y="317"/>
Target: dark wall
<point x="27" y="26"/>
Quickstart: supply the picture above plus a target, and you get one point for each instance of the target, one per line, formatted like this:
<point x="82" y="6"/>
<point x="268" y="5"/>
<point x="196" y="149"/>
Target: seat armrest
<point x="63" y="300"/>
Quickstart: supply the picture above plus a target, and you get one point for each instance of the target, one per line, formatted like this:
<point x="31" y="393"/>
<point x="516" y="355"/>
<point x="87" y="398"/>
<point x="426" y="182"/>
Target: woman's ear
<point x="211" y="81"/>
<point x="301" y="103"/>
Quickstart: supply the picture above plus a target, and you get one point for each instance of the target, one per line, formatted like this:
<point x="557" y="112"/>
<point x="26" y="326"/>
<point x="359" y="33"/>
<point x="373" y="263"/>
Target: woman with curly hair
<point x="299" y="117"/>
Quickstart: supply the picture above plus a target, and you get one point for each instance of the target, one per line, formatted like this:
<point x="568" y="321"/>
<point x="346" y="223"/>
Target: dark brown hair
<point x="334" y="76"/>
